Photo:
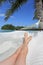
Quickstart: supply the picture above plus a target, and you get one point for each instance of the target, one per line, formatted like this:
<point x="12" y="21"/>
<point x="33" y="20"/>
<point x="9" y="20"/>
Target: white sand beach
<point x="10" y="41"/>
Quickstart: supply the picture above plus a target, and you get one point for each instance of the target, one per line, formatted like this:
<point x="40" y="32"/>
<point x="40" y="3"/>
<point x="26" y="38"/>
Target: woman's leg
<point x="12" y="59"/>
<point x="22" y="56"/>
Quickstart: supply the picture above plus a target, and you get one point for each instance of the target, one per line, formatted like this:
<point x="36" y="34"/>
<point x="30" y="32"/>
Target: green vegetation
<point x="18" y="27"/>
<point x="8" y="27"/>
<point x="11" y="27"/>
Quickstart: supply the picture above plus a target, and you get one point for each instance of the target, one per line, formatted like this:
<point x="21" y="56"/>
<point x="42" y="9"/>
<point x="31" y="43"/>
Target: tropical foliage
<point x="11" y="27"/>
<point x="14" y="5"/>
<point x="8" y="27"/>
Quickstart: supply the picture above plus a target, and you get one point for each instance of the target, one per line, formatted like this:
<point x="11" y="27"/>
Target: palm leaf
<point x="15" y="6"/>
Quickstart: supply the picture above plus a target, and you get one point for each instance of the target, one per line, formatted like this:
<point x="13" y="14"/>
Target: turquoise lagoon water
<point x="18" y="30"/>
<point x="14" y="30"/>
<point x="32" y="32"/>
<point x="6" y="30"/>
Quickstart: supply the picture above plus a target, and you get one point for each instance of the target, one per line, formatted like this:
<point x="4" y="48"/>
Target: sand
<point x="35" y="53"/>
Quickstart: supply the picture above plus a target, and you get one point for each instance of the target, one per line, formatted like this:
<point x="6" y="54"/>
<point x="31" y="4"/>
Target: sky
<point x="22" y="17"/>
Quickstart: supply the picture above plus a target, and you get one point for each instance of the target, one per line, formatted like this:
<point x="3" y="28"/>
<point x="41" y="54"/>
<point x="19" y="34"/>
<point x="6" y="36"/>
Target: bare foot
<point x="22" y="56"/>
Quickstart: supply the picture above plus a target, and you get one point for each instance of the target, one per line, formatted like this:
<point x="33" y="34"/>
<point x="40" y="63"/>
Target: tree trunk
<point x="41" y="23"/>
<point x="41" y="15"/>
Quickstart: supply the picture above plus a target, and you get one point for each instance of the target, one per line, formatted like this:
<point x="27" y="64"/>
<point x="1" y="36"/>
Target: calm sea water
<point x="34" y="33"/>
<point x="6" y="30"/>
<point x="16" y="30"/>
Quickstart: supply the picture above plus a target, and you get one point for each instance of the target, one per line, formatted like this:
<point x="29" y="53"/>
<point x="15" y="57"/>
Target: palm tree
<point x="15" y="5"/>
<point x="39" y="12"/>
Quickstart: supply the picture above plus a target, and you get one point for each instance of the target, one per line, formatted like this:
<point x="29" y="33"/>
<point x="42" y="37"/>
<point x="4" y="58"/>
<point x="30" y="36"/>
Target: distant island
<point x="11" y="27"/>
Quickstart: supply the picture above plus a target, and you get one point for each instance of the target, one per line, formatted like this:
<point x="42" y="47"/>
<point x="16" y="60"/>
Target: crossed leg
<point x="22" y="56"/>
<point x="19" y="57"/>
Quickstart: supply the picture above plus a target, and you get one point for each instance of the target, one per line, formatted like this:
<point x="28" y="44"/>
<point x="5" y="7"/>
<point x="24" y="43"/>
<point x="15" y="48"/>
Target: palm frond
<point x="15" y="6"/>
